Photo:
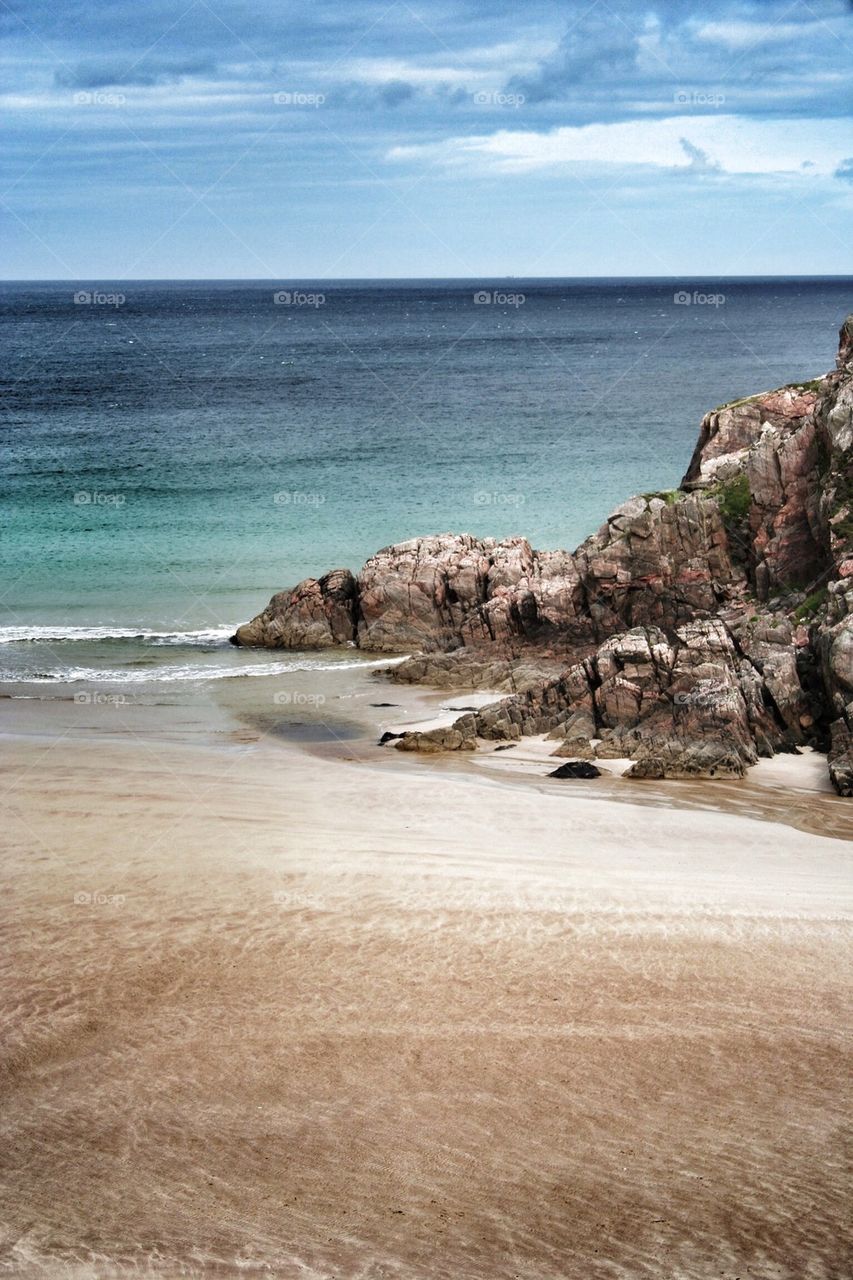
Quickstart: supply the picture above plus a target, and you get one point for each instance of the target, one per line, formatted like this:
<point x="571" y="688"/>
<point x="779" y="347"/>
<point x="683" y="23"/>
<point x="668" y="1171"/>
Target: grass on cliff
<point x="733" y="499"/>
<point x="814" y="384"/>
<point x="811" y="605"/>
<point x="669" y="496"/>
<point x="733" y="404"/>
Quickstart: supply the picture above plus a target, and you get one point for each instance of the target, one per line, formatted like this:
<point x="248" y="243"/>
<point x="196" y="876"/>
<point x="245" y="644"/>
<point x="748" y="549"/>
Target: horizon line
<point x="413" y="279"/>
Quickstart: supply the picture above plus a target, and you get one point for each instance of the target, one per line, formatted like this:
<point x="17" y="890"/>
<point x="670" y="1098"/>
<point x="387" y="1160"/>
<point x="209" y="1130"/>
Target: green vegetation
<point x="733" y="498"/>
<point x="732" y="404"/>
<point x="669" y="496"/>
<point x="813" y="385"/>
<point x="811" y="605"/>
<point x="843" y="529"/>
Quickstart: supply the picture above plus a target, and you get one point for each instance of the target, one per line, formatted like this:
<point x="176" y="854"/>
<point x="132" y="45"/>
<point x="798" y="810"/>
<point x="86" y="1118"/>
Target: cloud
<point x="739" y="146"/>
<point x="396" y="92"/>
<point x="100" y="75"/>
<point x="620" y="59"/>
<point x="741" y="35"/>
<point x="658" y="101"/>
<point x="699" y="159"/>
<point x="595" y="47"/>
<point x="579" y="63"/>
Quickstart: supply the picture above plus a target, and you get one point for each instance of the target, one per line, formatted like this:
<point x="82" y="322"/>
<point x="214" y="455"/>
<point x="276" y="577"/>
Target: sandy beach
<point x="275" y="1013"/>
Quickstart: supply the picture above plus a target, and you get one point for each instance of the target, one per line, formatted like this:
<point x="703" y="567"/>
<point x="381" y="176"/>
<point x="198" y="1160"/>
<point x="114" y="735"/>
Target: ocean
<point x="175" y="452"/>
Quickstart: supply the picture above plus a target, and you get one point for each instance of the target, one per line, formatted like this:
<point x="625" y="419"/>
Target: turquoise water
<point x="172" y="458"/>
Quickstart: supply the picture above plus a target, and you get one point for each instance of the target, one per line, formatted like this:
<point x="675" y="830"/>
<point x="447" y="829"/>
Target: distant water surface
<point x="173" y="458"/>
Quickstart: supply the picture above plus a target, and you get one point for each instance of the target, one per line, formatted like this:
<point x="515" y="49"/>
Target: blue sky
<point x="474" y="138"/>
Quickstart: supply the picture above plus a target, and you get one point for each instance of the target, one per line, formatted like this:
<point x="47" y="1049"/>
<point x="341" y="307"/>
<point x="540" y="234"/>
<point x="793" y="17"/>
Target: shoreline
<point x="791" y="790"/>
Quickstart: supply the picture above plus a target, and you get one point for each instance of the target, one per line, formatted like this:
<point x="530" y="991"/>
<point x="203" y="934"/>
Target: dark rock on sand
<point x="576" y="769"/>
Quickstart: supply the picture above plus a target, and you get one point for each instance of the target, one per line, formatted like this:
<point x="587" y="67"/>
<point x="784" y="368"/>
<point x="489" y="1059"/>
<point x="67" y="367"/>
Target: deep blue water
<point x="170" y="461"/>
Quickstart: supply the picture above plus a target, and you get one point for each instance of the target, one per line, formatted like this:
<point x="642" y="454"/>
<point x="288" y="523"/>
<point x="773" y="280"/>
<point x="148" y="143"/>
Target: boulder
<point x="317" y="614"/>
<point x="697" y="759"/>
<point x="459" y="736"/>
<point x="418" y="594"/>
<point x="576" y="769"/>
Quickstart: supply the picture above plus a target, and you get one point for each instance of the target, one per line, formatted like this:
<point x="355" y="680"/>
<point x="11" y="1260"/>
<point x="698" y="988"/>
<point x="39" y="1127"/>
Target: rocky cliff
<point x="694" y="631"/>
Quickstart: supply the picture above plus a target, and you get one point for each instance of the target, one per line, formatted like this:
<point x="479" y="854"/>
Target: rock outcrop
<point x="460" y="736"/>
<point x="658" y="561"/>
<point x="694" y="631"/>
<point x="835" y="648"/>
<point x="317" y="614"/>
<point x="727" y="434"/>
<point x="697" y="696"/>
<point x="759" y="457"/>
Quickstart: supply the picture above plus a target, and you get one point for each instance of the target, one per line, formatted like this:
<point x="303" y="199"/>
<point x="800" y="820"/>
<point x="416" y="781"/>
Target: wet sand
<point x="273" y="1014"/>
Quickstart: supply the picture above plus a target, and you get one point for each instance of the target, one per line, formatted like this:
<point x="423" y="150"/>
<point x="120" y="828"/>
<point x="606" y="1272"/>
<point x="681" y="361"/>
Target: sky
<point x="448" y="138"/>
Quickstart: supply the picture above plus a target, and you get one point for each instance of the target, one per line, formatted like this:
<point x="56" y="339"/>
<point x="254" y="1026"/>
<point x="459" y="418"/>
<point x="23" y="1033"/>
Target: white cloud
<point x="475" y="65"/>
<point x="732" y="144"/>
<point x="381" y="71"/>
<point x="745" y="35"/>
